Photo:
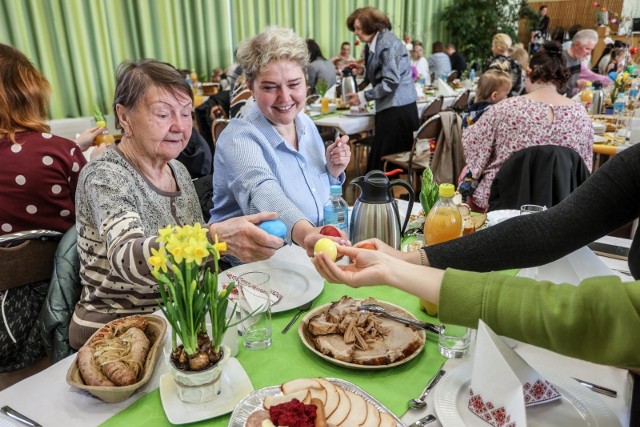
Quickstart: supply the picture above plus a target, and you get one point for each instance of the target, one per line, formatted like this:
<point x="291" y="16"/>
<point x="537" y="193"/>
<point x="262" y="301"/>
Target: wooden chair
<point x="432" y="109"/>
<point x="216" y="129"/>
<point x="461" y="102"/>
<point x="416" y="160"/>
<point x="453" y="75"/>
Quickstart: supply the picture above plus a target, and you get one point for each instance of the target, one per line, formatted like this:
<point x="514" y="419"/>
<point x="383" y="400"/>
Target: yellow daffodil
<point x="218" y="247"/>
<point x="196" y="250"/>
<point x="176" y="249"/>
<point x="159" y="259"/>
<point x="164" y="234"/>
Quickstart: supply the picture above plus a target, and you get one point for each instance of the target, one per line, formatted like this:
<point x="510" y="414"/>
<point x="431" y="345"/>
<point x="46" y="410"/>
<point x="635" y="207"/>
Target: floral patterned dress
<point x="518" y="123"/>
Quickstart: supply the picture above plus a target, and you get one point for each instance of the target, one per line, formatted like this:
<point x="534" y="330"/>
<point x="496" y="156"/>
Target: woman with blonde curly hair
<point x="501" y="60"/>
<point x="273" y="159"/>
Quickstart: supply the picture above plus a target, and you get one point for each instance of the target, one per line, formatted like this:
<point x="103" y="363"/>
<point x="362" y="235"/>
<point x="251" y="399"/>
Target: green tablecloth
<point x="288" y="359"/>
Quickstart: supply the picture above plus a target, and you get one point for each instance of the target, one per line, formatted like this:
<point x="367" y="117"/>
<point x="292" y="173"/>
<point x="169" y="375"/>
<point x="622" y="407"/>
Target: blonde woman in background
<point x="501" y="60"/>
<point x="520" y="54"/>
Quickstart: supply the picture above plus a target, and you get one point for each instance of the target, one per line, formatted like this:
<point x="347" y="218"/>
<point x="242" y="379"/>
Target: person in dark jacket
<point x="458" y="61"/>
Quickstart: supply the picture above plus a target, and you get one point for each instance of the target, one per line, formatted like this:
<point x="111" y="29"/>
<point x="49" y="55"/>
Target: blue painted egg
<point x="275" y="227"/>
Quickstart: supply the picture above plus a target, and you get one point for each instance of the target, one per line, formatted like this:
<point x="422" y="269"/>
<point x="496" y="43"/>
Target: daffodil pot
<point x="199" y="386"/>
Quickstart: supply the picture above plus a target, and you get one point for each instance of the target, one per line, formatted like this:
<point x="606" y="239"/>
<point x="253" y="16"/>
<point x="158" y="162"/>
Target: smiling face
<point x="280" y="91"/>
<point x="359" y="32"/>
<point x="417" y="52"/>
<point x="160" y="124"/>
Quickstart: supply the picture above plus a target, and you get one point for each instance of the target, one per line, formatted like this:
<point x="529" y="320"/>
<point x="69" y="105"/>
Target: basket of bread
<point x="313" y="402"/>
<point x="119" y="358"/>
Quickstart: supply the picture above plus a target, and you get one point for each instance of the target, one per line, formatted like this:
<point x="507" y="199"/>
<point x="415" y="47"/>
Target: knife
<point x="598" y="388"/>
<point x="19" y="417"/>
<point x="424" y="421"/>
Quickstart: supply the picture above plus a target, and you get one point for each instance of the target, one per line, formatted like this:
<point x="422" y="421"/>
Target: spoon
<point x="304" y="307"/>
<point x="377" y="309"/>
<point x="420" y="402"/>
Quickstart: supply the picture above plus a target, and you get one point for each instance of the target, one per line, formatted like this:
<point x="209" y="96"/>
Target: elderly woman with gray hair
<point x="273" y="159"/>
<point x="135" y="188"/>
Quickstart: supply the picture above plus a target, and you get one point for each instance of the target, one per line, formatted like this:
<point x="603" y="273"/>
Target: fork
<point x="304" y="307"/>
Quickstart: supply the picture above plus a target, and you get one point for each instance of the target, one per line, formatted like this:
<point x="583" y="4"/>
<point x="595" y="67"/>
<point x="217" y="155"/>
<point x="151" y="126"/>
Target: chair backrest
<point x="453" y="75"/>
<point x="216" y="129"/>
<point x="428" y="130"/>
<point x="432" y="109"/>
<point x="62" y="296"/>
<point x="461" y="102"/>
<point x="27" y="257"/>
<point x="541" y="175"/>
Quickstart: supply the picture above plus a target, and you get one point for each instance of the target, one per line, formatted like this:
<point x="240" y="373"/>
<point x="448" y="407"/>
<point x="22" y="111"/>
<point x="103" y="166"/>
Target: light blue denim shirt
<point x="255" y="170"/>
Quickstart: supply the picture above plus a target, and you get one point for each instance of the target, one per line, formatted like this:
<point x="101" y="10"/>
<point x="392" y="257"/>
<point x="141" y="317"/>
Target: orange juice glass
<point x="324" y="105"/>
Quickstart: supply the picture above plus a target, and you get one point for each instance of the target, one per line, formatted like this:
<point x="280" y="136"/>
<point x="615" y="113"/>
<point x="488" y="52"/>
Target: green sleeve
<point x="598" y="321"/>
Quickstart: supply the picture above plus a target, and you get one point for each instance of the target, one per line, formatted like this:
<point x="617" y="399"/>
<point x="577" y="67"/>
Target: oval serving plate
<point x="156" y="329"/>
<point x="307" y="339"/>
<point x="253" y="401"/>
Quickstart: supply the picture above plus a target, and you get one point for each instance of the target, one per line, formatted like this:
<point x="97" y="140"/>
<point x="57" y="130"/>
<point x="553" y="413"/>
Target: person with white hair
<point x="582" y="44"/>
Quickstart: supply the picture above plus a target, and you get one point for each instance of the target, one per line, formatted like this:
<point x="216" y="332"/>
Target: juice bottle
<point x="443" y="223"/>
<point x="105" y="137"/>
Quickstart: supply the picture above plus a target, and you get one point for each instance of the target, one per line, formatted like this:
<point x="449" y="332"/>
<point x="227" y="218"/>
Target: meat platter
<point x="340" y="334"/>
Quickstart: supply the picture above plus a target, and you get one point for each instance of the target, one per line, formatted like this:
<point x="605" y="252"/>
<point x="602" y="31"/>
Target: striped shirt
<point x="118" y="215"/>
<point x="256" y="170"/>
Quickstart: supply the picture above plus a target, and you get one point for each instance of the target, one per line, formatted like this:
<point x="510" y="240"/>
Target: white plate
<point x="496" y="217"/>
<point x="254" y="401"/>
<point x="307" y="339"/>
<point x="235" y="386"/>
<point x="598" y="139"/>
<point x="296" y="283"/>
<point x="577" y="407"/>
<point x="350" y="114"/>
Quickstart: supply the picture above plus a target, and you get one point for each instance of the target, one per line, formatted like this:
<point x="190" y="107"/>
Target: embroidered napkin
<point x="503" y="384"/>
<point x="444" y="89"/>
<point x="250" y="288"/>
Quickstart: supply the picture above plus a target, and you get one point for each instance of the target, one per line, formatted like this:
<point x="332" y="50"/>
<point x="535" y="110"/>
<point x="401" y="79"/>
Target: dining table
<point x="48" y="399"/>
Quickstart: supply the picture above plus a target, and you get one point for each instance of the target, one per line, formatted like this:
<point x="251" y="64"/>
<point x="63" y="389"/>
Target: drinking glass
<point x="324" y="105"/>
<point x="254" y="305"/>
<point x="529" y="209"/>
<point x="454" y="341"/>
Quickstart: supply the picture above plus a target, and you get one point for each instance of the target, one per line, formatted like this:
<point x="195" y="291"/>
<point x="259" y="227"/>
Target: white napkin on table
<point x="572" y="268"/>
<point x="444" y="89"/>
<point x="503" y="383"/>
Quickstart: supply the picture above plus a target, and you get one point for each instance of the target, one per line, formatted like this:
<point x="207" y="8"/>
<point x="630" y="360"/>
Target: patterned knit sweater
<point x="118" y="215"/>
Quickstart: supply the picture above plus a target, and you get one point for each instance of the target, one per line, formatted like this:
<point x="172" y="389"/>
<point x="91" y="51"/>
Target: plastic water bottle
<point x="620" y="104"/>
<point x="633" y="90"/>
<point x="472" y="75"/>
<point x="336" y="210"/>
<point x="189" y="81"/>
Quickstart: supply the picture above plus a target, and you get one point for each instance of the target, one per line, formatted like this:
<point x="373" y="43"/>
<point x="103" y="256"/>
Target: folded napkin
<point x="572" y="268"/>
<point x="503" y="384"/>
<point x="251" y="290"/>
<point x="444" y="89"/>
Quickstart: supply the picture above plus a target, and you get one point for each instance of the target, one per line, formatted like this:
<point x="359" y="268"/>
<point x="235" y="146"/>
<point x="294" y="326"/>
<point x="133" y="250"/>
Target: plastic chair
<point x="461" y="102"/>
<point x="432" y="109"/>
<point x="453" y="75"/>
<point x="216" y="129"/>
<point x="419" y="158"/>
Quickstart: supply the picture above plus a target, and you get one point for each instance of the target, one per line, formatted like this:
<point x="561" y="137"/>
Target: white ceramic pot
<point x="199" y="386"/>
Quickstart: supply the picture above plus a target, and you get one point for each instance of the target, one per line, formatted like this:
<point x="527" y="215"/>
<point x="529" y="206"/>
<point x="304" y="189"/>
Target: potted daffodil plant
<point x="189" y="291"/>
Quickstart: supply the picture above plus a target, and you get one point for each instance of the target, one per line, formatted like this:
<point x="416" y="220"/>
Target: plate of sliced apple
<point x="334" y="401"/>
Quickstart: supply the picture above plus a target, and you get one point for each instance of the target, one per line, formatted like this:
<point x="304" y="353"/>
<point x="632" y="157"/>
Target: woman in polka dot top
<point x="39" y="170"/>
